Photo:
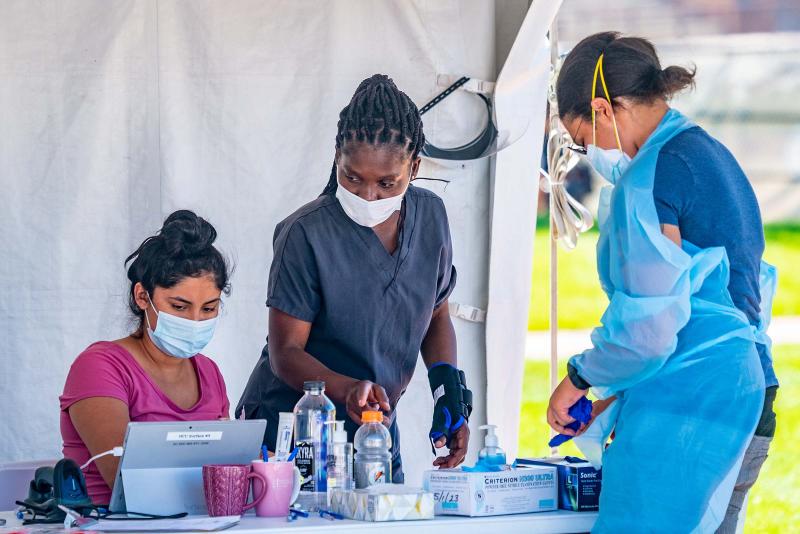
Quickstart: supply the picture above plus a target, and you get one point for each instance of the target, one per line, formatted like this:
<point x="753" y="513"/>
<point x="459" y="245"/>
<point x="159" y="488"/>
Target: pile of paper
<point x="188" y="524"/>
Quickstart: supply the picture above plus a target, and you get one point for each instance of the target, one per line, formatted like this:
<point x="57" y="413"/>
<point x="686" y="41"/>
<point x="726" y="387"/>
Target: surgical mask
<point x="368" y="212"/>
<point x="179" y="337"/>
<point x="610" y="163"/>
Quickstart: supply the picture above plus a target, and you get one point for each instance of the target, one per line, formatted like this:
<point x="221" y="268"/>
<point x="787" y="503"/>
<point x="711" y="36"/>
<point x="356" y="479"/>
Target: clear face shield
<point x="506" y="122"/>
<point x="506" y="104"/>
<point x="487" y="142"/>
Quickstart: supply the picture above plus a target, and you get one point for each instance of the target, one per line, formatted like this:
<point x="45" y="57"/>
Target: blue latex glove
<point x="581" y="411"/>
<point x="482" y="466"/>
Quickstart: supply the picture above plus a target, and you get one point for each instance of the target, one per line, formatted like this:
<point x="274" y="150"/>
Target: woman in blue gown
<point x="681" y="361"/>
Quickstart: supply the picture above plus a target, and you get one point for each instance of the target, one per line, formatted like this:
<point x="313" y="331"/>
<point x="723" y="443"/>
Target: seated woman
<point x="157" y="373"/>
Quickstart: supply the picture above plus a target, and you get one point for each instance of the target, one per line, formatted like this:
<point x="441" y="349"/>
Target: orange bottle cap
<point x="371" y="416"/>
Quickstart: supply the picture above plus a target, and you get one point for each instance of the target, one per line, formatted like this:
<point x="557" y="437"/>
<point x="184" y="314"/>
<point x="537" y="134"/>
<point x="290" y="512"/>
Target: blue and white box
<point x="476" y="494"/>
<point x="579" y="483"/>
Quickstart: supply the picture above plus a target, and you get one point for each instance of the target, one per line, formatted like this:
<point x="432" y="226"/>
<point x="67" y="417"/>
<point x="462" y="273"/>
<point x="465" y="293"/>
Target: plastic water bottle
<point x="373" y="458"/>
<point x="340" y="459"/>
<point x="311" y="438"/>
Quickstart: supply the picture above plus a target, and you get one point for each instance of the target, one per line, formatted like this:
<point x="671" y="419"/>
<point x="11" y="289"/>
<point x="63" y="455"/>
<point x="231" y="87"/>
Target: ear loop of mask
<point x="598" y="69"/>
<point x="146" y="318"/>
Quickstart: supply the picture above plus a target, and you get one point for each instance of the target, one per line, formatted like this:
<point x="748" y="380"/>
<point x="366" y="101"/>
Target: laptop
<point x="161" y="470"/>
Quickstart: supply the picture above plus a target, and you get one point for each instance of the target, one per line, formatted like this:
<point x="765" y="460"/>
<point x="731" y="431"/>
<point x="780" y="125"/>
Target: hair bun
<point x="675" y="79"/>
<point x="186" y="234"/>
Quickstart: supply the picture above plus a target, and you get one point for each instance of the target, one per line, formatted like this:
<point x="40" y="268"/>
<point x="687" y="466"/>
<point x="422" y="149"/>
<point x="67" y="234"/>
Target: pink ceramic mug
<point x="283" y="481"/>
<point x="227" y="487"/>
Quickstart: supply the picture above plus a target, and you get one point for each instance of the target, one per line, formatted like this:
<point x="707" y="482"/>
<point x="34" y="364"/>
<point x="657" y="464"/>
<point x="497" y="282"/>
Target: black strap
<point x="475" y="149"/>
<point x="576" y="379"/>
<point x="466" y="393"/>
<point x="444" y="94"/>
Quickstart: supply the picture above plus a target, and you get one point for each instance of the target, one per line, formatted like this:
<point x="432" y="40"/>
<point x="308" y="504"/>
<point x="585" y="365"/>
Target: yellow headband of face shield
<point x="598" y="71"/>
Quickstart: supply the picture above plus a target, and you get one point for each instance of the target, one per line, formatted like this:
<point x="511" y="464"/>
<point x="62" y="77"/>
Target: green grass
<point x="581" y="301"/>
<point x="773" y="505"/>
<point x="783" y="251"/>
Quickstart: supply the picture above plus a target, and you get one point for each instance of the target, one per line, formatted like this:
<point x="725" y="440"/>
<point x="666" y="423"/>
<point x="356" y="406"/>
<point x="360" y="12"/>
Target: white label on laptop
<point x="194" y="436"/>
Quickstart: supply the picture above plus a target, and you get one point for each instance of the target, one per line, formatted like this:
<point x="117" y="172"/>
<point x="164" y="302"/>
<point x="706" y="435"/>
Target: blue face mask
<point x="178" y="337"/>
<point x="610" y="163"/>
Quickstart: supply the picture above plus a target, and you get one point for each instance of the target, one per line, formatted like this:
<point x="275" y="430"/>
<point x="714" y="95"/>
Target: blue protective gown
<point x="679" y="356"/>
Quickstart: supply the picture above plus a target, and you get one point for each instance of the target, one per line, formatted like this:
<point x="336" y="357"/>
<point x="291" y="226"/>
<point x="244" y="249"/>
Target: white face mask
<point x="368" y="213"/>
<point x="179" y="337"/>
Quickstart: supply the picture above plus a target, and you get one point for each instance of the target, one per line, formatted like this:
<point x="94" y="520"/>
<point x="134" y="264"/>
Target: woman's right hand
<point x="365" y="395"/>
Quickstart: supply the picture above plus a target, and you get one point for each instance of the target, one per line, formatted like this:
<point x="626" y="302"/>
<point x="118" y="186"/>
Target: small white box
<point x="514" y="491"/>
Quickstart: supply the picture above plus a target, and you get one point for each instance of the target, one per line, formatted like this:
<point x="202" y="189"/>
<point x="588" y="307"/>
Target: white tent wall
<point x="515" y="187"/>
<point x="115" y="113"/>
<point x="79" y="186"/>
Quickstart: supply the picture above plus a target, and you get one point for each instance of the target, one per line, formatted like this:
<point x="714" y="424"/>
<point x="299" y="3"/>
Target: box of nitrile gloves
<point x="512" y="491"/>
<point x="578" y="482"/>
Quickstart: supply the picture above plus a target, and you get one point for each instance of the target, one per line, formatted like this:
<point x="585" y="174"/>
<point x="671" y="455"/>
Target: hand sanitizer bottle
<point x="491" y="453"/>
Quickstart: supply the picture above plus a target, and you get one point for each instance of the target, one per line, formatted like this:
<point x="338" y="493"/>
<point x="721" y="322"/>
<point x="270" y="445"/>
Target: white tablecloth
<point x="545" y="522"/>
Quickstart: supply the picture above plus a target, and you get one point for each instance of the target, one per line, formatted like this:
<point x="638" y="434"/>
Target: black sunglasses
<point x="578" y="149"/>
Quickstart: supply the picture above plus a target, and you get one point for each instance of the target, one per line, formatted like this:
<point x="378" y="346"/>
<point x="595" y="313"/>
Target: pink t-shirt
<point x="106" y="369"/>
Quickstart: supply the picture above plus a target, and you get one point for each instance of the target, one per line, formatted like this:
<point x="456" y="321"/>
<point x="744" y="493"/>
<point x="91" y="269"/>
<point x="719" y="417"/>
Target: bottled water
<point x="311" y="438"/>
<point x="373" y="458"/>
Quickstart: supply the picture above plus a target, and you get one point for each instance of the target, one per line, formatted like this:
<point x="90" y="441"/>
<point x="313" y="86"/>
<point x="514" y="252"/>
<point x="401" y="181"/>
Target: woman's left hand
<point x="598" y="407"/>
<point x="562" y="399"/>
<point x="459" y="442"/>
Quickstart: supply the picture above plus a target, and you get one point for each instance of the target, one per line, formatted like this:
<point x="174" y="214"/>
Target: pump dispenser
<point x="491" y="453"/>
<point x="491" y="457"/>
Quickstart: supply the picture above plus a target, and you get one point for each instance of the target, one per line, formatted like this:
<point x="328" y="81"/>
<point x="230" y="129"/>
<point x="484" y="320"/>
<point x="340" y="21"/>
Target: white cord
<point x="569" y="216"/>
<point x="116" y="451"/>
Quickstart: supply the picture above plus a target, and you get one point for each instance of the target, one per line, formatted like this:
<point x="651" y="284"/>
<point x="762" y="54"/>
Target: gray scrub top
<point x="369" y="310"/>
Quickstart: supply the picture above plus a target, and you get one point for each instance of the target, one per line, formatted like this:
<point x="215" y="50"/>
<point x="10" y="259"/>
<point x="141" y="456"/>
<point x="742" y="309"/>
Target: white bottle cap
<point x="339" y="433"/>
<point x="491" y="439"/>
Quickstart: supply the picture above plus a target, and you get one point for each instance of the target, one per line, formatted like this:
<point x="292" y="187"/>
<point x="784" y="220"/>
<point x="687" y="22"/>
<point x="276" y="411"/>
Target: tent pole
<point x="553" y="248"/>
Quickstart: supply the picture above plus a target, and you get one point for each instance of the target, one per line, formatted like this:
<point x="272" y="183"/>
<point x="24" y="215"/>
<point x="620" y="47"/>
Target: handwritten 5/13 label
<point x="449" y="501"/>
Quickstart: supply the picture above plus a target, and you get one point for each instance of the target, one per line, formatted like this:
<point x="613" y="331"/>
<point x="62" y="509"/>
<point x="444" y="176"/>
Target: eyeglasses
<point x="578" y="149"/>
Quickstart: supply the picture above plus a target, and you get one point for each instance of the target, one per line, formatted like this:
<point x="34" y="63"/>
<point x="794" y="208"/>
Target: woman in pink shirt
<point x="157" y="373"/>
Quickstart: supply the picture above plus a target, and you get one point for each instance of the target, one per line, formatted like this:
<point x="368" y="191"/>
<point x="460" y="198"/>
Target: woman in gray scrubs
<point x="359" y="284"/>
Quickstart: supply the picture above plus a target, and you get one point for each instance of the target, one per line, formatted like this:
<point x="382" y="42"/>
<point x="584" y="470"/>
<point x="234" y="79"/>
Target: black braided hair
<point x="379" y="114"/>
